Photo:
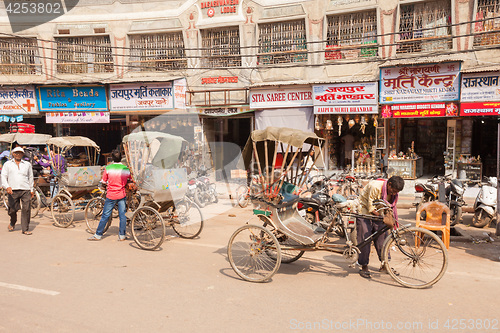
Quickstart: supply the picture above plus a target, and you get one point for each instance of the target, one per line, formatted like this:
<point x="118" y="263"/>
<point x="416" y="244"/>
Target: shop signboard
<point x="18" y="100"/>
<point x="72" y="98"/>
<point x="141" y="97"/>
<point x="180" y="87"/>
<point x="281" y="98"/>
<point x="480" y="109"/>
<point x="224" y="111"/>
<point x="77" y="117"/>
<point x="420" y="110"/>
<point x="420" y="83"/>
<point x="345" y="98"/>
<point x="480" y="87"/>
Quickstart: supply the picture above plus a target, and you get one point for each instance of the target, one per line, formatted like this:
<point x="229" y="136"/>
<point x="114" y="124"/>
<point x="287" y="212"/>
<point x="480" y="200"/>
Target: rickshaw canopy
<point x="68" y="142"/>
<point x="167" y="152"/>
<point x="25" y="138"/>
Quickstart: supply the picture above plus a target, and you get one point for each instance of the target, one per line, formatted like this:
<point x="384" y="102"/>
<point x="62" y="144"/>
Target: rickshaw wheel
<point x="242" y="196"/>
<point x="93" y="214"/>
<point x="186" y="219"/>
<point x="287" y="255"/>
<point x="63" y="210"/>
<point x="248" y="253"/>
<point x="36" y="202"/>
<point x="5" y="200"/>
<point x="148" y="228"/>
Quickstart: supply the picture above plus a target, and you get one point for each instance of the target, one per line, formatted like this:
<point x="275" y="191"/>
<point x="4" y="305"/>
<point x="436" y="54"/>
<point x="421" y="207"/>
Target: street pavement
<point x="57" y="281"/>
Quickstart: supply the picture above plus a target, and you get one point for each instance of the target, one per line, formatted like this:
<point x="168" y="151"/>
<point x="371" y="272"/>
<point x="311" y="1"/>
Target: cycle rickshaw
<point x="78" y="180"/>
<point x="153" y="159"/>
<point x="255" y="252"/>
<point x="32" y="141"/>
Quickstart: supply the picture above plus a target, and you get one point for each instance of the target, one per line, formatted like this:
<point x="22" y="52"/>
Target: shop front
<point x="480" y="111"/>
<point x="420" y="105"/>
<point x="18" y="105"/>
<point x="347" y="117"/>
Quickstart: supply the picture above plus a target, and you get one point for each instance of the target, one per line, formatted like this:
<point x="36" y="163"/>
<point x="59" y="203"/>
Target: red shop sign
<point x="480" y="109"/>
<point x="420" y="110"/>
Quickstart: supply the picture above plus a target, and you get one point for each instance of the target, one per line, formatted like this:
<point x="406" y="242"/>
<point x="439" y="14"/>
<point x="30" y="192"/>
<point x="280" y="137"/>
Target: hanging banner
<point x="480" y="109"/>
<point x="18" y="100"/>
<point x="420" y="83"/>
<point x="479" y="87"/>
<point x="424" y="110"/>
<point x="180" y="87"/>
<point x="77" y="117"/>
<point x="72" y="98"/>
<point x="281" y="98"/>
<point x="141" y="96"/>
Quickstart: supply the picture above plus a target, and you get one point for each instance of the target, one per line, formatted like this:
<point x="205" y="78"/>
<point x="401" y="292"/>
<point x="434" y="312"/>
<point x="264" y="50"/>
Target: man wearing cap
<point x="17" y="180"/>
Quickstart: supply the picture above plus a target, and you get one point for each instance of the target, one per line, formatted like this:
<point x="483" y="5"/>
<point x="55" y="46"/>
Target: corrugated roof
<point x="478" y="68"/>
<point x="415" y="59"/>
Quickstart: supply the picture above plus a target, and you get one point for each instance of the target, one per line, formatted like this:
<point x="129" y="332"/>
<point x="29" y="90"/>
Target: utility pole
<point x="498" y="177"/>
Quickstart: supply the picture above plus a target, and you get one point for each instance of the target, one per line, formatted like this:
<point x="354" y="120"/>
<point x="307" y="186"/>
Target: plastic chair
<point x="434" y="211"/>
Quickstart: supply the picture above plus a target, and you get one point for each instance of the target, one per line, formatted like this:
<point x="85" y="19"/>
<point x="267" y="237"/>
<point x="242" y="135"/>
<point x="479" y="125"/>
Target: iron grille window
<point x="157" y="52"/>
<point x="348" y="35"/>
<point x="425" y="27"/>
<point x="19" y="56"/>
<point x="221" y="47"/>
<point x="282" y="42"/>
<point x="487" y="25"/>
<point x="77" y="55"/>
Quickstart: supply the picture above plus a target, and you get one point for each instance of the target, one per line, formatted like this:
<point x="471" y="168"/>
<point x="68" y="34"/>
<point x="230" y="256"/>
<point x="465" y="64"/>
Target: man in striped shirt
<point x="116" y="176"/>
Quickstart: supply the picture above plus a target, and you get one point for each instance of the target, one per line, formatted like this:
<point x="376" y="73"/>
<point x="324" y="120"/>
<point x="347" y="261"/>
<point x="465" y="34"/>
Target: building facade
<point x="381" y="81"/>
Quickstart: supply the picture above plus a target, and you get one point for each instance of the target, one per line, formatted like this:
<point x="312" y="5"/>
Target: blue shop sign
<point x="72" y="98"/>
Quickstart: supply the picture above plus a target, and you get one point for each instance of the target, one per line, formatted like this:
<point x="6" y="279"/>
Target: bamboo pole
<point x="258" y="165"/>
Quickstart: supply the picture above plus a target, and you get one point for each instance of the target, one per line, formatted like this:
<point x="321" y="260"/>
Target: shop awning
<point x="25" y="138"/>
<point x="72" y="141"/>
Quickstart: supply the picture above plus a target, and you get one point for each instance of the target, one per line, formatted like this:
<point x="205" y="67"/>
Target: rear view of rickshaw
<point x="74" y="163"/>
<point x="413" y="257"/>
<point x="152" y="158"/>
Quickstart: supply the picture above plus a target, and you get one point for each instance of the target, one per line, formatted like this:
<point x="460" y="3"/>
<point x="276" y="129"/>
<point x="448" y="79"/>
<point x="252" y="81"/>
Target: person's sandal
<point x="365" y="274"/>
<point x="11" y="228"/>
<point x="27" y="233"/>
<point x="383" y="269"/>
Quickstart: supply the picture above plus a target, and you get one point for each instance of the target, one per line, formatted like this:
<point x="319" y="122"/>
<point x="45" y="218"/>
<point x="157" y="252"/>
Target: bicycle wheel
<point x="247" y="252"/>
<point x="5" y="199"/>
<point x="35" y="203"/>
<point x="287" y="255"/>
<point x="93" y="214"/>
<point x="63" y="210"/>
<point x="415" y="258"/>
<point x="187" y="219"/>
<point x="242" y="197"/>
<point x="148" y="228"/>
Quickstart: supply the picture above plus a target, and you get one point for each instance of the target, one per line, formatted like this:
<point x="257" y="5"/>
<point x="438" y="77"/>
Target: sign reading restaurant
<point x="281" y="98"/>
<point x="345" y="98"/>
<point x="72" y="98"/>
<point x="420" y="83"/>
<point x="18" y="100"/>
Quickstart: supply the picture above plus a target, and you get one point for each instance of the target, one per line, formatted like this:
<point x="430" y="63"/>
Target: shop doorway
<point x="484" y="144"/>
<point x="429" y="140"/>
<point x="227" y="138"/>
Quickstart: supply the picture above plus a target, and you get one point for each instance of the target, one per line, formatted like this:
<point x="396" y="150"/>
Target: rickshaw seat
<point x="289" y="221"/>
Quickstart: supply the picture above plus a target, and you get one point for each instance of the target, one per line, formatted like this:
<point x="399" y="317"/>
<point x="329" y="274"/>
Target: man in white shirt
<point x="17" y="180"/>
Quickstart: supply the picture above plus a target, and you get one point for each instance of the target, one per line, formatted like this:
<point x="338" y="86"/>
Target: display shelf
<point x="409" y="168"/>
<point x="473" y="171"/>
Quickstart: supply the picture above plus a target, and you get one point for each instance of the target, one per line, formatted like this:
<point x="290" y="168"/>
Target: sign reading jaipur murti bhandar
<point x="428" y="90"/>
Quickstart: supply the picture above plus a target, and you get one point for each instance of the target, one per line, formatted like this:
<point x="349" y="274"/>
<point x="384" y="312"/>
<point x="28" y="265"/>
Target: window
<point x="84" y="55"/>
<point x="425" y="27"/>
<point x="19" y="56"/>
<point x="348" y="34"/>
<point x="487" y="26"/>
<point x="221" y="47"/>
<point x="157" y="52"/>
<point x="282" y="42"/>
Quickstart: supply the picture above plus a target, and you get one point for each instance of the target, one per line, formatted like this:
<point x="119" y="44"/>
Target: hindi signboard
<point x="141" y="96"/>
<point x="420" y="83"/>
<point x="18" y="100"/>
<point x="479" y="87"/>
<point x="345" y="98"/>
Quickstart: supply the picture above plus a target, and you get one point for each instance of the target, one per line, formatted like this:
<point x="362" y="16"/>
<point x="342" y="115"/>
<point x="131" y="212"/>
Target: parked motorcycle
<point x="485" y="206"/>
<point x="454" y="194"/>
<point x="201" y="189"/>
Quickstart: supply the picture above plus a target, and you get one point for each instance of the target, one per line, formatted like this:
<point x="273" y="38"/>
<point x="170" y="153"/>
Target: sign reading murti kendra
<point x="18" y="100"/>
<point x="345" y="98"/>
<point x="420" y="83"/>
